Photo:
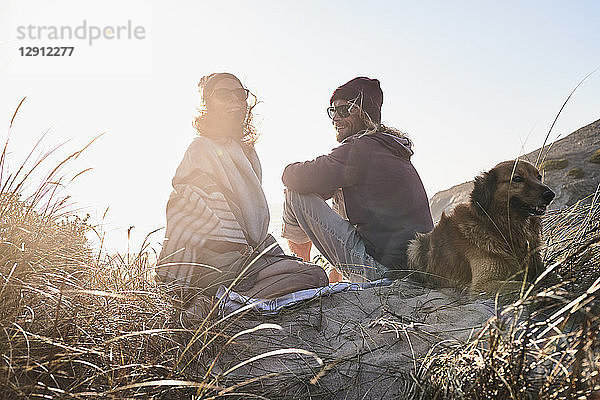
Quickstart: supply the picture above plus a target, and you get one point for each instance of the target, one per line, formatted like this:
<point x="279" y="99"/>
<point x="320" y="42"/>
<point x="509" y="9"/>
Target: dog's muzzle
<point x="540" y="209"/>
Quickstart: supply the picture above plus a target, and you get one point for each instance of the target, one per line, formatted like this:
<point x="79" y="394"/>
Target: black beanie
<point x="372" y="96"/>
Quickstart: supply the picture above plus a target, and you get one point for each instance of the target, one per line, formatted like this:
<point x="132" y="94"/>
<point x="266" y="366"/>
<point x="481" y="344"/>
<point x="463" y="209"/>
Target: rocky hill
<point x="570" y="166"/>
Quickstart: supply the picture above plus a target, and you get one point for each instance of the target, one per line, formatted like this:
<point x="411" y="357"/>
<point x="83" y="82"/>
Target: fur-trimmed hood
<point x="394" y="141"/>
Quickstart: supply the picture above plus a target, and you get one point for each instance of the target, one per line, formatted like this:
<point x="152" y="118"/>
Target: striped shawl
<point x="217" y="217"/>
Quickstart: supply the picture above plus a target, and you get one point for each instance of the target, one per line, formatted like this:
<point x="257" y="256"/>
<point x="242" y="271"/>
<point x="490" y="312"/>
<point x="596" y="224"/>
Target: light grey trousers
<point x="307" y="217"/>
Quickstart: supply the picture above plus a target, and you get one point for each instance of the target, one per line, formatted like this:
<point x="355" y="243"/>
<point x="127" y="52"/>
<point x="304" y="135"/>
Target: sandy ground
<point x="370" y="342"/>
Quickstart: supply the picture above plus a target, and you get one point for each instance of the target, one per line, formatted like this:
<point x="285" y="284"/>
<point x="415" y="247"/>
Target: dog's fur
<point x="494" y="238"/>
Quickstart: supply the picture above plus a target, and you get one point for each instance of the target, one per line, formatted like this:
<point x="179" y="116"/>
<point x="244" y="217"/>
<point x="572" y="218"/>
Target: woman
<point x="217" y="214"/>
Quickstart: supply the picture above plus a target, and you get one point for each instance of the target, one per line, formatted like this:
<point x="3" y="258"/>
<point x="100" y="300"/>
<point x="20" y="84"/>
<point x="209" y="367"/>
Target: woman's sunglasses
<point x="224" y="94"/>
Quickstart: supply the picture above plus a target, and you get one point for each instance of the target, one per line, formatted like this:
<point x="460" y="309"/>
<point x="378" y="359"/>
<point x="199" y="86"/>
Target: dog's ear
<point x="483" y="191"/>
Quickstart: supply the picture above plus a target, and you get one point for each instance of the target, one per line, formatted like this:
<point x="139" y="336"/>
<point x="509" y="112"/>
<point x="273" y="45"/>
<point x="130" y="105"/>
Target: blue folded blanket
<point x="231" y="301"/>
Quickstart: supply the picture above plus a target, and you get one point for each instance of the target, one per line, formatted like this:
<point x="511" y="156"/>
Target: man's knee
<point x="294" y="198"/>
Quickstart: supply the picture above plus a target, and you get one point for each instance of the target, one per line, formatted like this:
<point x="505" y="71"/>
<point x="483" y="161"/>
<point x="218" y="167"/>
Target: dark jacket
<point x="383" y="194"/>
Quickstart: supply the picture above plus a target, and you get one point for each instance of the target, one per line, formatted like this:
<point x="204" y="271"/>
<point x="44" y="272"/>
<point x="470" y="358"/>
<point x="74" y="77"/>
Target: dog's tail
<point x="418" y="255"/>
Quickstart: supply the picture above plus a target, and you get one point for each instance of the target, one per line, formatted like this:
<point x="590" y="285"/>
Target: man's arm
<point x="324" y="174"/>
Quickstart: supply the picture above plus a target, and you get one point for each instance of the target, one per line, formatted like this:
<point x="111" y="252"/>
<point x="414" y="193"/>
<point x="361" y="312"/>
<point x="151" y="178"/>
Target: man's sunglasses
<point x="343" y="111"/>
<point x="224" y="94"/>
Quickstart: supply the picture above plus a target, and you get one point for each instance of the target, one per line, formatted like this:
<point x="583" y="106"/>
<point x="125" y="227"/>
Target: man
<point x="377" y="193"/>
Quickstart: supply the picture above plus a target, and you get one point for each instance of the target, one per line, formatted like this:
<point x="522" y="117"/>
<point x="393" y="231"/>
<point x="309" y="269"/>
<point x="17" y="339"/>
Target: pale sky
<point x="473" y="83"/>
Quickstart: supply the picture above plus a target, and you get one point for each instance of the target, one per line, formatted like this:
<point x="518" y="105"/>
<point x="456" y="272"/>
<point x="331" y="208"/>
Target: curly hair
<point x="249" y="133"/>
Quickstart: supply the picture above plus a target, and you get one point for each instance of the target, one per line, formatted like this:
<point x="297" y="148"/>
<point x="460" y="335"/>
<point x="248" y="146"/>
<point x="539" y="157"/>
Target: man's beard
<point x="339" y="137"/>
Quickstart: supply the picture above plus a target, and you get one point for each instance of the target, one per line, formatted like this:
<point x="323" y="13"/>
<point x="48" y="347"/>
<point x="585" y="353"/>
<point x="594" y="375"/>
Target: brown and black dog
<point x="494" y="238"/>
